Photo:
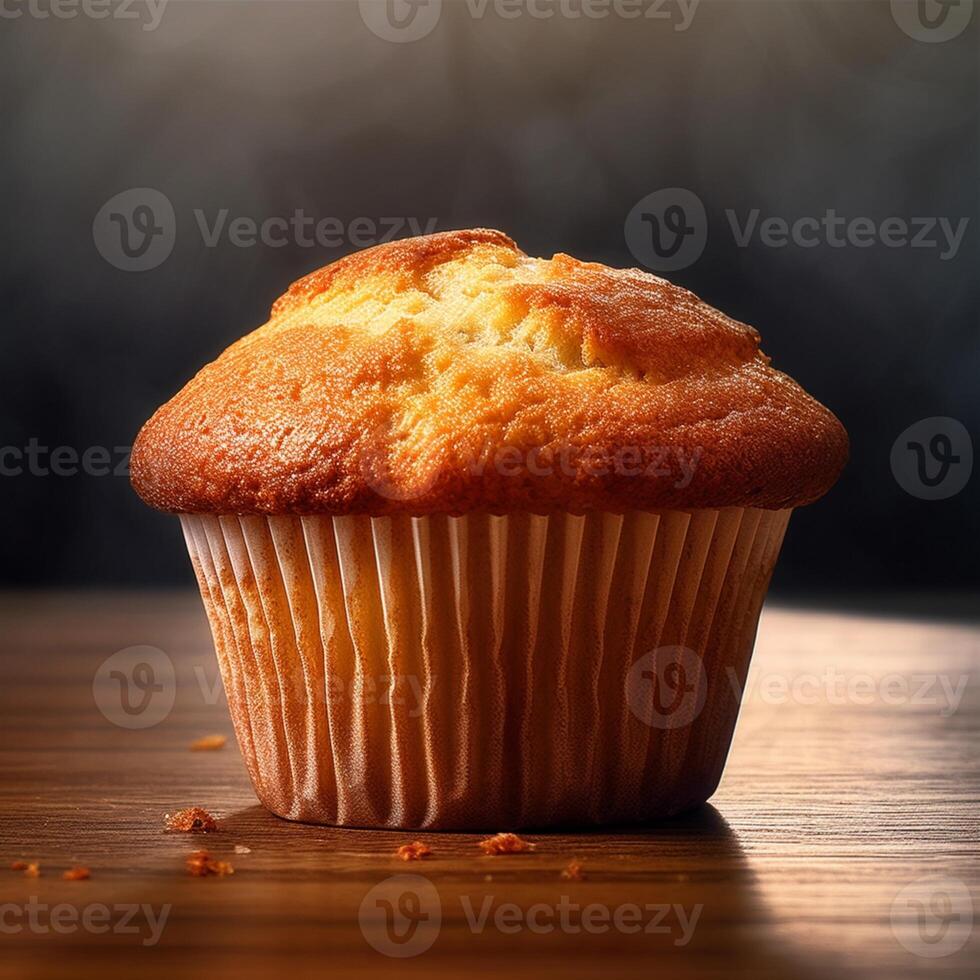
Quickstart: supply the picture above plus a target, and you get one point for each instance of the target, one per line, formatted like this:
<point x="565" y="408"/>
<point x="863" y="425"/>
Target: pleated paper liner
<point x="485" y="672"/>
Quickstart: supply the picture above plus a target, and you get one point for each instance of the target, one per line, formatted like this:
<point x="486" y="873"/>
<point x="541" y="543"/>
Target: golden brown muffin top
<point x="452" y="372"/>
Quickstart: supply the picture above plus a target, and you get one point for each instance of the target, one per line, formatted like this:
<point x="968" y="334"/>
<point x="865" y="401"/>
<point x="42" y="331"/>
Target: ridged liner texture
<point x="512" y="639"/>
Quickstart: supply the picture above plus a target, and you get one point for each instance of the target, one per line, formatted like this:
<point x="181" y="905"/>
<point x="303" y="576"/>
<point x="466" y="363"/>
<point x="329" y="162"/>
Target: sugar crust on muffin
<point x="452" y="373"/>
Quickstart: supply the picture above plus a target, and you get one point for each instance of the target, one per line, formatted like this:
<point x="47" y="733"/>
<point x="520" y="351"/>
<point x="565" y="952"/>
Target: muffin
<point x="482" y="538"/>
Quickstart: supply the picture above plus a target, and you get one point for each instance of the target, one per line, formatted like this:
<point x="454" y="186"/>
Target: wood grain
<point x="842" y="789"/>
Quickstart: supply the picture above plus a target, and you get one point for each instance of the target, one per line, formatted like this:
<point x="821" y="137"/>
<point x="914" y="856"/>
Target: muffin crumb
<point x="505" y="844"/>
<point x="78" y="873"/>
<point x="192" y="820"/>
<point x="414" y="851"/>
<point x="200" y="864"/>
<point x="573" y="871"/>
<point x="242" y="849"/>
<point x="31" y="869"/>
<point x="209" y="743"/>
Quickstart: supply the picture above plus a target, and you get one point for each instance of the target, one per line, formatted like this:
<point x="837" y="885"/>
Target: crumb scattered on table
<point x="505" y="844"/>
<point x="414" y="851"/>
<point x="242" y="849"/>
<point x="192" y="820"/>
<point x="573" y="871"/>
<point x="200" y="864"/>
<point x="77" y="874"/>
<point x="209" y="743"/>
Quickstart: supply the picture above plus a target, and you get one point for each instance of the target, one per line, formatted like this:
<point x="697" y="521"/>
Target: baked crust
<point x="452" y="372"/>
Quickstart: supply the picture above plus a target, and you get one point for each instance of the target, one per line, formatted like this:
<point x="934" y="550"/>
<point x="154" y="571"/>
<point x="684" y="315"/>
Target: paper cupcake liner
<point x="484" y="672"/>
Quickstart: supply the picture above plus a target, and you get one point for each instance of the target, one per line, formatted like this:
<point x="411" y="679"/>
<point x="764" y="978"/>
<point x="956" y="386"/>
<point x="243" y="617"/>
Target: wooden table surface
<point x="843" y="840"/>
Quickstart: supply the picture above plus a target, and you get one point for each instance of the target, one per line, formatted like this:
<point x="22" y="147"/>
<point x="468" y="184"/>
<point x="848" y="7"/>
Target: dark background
<point x="548" y="129"/>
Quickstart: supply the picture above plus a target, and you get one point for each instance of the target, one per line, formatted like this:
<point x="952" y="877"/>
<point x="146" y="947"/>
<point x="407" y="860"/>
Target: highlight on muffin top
<point x="451" y="372"/>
